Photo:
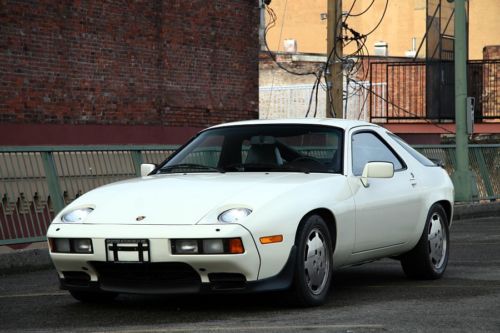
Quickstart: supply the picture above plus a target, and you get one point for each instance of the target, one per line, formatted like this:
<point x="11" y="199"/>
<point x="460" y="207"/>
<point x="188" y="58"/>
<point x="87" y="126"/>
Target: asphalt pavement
<point x="374" y="297"/>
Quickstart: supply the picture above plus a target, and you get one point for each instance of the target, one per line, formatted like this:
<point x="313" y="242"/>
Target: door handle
<point x="413" y="181"/>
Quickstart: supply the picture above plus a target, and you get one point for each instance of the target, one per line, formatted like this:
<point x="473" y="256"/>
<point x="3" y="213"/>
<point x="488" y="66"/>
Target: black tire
<point x="311" y="288"/>
<point x="93" y="296"/>
<point x="429" y="258"/>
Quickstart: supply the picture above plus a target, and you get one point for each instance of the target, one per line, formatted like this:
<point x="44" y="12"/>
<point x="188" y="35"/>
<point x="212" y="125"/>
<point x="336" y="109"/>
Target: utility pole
<point x="262" y="25"/>
<point x="462" y="177"/>
<point x="334" y="73"/>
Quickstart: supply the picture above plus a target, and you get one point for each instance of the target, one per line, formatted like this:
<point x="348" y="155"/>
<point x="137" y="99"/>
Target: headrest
<point x="262" y="140"/>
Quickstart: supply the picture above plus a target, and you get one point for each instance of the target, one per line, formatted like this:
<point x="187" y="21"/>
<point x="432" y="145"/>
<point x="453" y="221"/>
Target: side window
<point x="367" y="147"/>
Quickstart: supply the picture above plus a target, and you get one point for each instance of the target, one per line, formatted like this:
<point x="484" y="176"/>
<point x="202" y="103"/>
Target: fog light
<point x="62" y="245"/>
<point x="213" y="246"/>
<point x="186" y="246"/>
<point x="207" y="246"/>
<point x="82" y="245"/>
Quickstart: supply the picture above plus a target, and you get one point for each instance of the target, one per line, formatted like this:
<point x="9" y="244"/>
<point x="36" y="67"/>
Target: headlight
<point x="70" y="245"/>
<point x="76" y="215"/>
<point x="234" y="215"/>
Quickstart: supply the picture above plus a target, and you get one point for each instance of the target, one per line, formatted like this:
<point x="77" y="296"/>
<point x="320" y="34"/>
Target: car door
<point x="387" y="209"/>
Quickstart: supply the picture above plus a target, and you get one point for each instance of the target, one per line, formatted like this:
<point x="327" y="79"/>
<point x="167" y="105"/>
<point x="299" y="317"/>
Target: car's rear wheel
<point x="429" y="258"/>
<point x="92" y="297"/>
<point x="313" y="269"/>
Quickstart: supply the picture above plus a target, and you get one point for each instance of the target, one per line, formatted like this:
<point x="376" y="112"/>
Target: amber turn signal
<point x="236" y="246"/>
<point x="271" y="239"/>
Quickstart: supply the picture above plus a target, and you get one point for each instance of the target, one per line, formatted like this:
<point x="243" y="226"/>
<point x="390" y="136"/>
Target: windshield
<point x="269" y="148"/>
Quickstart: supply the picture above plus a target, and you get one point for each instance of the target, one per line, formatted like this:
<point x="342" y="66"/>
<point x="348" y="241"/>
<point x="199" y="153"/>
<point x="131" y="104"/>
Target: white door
<point x="387" y="210"/>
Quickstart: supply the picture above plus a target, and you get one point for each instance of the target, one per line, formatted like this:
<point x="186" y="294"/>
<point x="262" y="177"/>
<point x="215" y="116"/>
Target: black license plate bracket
<point x="128" y="250"/>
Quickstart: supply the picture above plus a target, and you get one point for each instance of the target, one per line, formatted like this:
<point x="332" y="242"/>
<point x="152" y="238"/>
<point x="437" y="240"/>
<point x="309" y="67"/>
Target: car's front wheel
<point x="313" y="269"/>
<point x="92" y="297"/>
<point x="429" y="257"/>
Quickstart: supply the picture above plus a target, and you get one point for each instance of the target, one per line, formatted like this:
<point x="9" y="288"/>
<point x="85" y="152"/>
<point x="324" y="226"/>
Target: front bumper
<point x="165" y="272"/>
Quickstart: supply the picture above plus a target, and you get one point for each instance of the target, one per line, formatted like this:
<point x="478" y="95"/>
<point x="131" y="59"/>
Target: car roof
<point x="341" y="123"/>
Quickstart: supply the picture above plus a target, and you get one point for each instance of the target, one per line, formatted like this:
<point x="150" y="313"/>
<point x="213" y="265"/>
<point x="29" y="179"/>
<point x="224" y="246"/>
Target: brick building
<point x="120" y="72"/>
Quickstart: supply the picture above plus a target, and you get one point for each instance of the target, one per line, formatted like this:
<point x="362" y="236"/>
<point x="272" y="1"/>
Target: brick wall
<point x="168" y="64"/>
<point x="491" y="73"/>
<point x="401" y="82"/>
<point x="491" y="52"/>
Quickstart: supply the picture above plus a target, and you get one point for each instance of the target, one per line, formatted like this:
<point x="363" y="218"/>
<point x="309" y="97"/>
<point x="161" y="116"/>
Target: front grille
<point x="227" y="281"/>
<point x="76" y="278"/>
<point x="147" y="277"/>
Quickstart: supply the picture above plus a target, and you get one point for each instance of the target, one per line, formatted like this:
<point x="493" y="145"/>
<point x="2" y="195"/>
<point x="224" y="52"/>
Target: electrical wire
<point x="364" y="11"/>
<point x="414" y="115"/>
<point x="272" y="55"/>
<point x="381" y="19"/>
<point x="356" y="64"/>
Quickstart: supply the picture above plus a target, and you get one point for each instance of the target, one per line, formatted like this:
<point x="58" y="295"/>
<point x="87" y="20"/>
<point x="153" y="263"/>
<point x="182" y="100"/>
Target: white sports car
<point x="254" y="206"/>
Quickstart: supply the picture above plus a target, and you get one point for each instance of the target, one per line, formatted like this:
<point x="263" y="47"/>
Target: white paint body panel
<point x="384" y="219"/>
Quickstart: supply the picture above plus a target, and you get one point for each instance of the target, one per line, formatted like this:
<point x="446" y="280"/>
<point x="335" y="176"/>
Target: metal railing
<point x="419" y="91"/>
<point x="484" y="161"/>
<point x="37" y="182"/>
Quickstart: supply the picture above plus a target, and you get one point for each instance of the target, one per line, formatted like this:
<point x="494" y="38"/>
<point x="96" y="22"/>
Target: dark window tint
<point x="367" y="147"/>
<point x="266" y="147"/>
<point x="419" y="157"/>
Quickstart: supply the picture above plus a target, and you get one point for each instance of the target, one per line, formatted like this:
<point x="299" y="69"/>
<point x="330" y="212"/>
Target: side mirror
<point x="376" y="170"/>
<point x="146" y="169"/>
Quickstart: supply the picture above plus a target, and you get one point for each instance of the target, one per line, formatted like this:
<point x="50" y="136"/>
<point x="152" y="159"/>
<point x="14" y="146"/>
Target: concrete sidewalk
<point x="36" y="256"/>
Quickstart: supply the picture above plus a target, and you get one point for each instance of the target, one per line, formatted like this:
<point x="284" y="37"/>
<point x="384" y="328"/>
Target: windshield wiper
<point x="269" y="167"/>
<point x="189" y="166"/>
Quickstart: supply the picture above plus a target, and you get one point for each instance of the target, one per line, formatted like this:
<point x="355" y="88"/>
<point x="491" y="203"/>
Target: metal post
<point x="137" y="160"/>
<point x="52" y="181"/>
<point x="462" y="178"/>
<point x="334" y="69"/>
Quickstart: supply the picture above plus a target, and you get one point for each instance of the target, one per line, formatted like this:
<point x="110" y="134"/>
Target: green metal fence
<point x="37" y="182"/>
<point x="484" y="161"/>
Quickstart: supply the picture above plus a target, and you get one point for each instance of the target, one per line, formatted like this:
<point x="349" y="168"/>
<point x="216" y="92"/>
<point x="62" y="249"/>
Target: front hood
<point x="185" y="198"/>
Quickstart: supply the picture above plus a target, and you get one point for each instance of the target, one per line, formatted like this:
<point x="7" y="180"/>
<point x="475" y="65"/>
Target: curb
<point x="19" y="261"/>
<point x="24" y="260"/>
<point x="476" y="210"/>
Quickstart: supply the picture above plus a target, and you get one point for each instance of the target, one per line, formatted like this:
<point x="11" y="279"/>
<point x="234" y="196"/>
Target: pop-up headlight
<point x="77" y="215"/>
<point x="234" y="215"/>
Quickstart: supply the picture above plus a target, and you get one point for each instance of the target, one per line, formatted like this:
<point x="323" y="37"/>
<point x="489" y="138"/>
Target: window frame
<point x="404" y="165"/>
<point x="342" y="135"/>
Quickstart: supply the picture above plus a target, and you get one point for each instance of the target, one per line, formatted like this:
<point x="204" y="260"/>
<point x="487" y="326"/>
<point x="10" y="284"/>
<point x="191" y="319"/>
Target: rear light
<point x="70" y="245"/>
<point x="207" y="246"/>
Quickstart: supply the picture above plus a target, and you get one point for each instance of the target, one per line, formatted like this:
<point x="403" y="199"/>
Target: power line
<point x="364" y="11"/>
<point x="352" y="62"/>
<point x="400" y="108"/>
<point x="381" y="19"/>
